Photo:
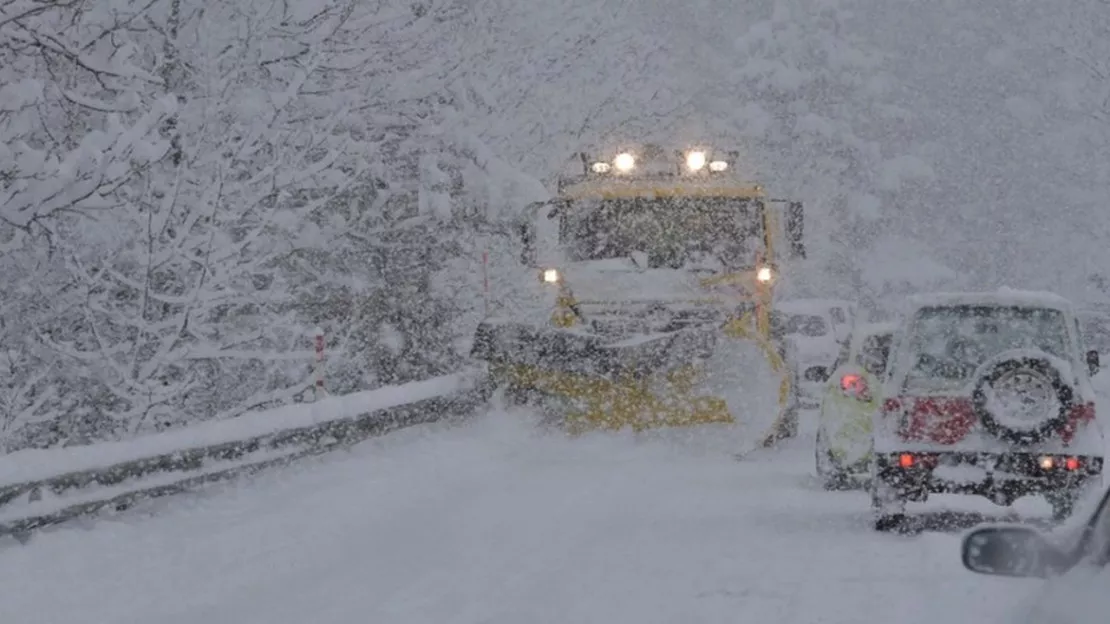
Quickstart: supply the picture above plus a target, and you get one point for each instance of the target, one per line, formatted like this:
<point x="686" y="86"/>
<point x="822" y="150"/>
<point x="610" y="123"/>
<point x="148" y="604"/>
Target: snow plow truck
<point x="649" y="297"/>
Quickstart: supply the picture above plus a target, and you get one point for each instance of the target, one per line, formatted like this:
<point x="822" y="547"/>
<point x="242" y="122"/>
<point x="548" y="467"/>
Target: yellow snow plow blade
<point x="663" y="400"/>
<point x="718" y="375"/>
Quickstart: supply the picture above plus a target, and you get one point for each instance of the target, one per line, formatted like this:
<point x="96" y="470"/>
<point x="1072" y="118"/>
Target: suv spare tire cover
<point x="1046" y="397"/>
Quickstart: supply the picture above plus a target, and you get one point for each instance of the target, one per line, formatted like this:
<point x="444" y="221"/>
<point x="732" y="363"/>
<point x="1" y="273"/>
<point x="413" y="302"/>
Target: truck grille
<point x="623" y="320"/>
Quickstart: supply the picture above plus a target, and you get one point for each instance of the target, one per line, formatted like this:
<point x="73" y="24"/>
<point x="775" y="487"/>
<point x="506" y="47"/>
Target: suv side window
<point x="841" y="357"/>
<point x="895" y="345"/>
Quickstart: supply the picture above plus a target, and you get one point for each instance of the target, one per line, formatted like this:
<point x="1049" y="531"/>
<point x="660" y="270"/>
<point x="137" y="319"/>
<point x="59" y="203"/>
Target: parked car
<point x="852" y="395"/>
<point x="1074" y="565"/>
<point x="816" y="329"/>
<point x="986" y="394"/>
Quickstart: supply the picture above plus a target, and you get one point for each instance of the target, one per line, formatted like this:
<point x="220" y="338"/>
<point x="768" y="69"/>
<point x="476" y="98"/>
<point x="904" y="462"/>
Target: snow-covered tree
<point x="79" y="118"/>
<point x="298" y="169"/>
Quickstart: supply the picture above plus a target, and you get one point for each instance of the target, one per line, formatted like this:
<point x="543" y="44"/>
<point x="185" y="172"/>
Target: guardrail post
<point x="318" y="370"/>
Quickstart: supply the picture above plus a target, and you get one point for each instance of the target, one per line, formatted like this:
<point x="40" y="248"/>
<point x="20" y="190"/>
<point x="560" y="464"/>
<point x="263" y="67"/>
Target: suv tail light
<point x="1080" y="415"/>
<point x="1050" y="462"/>
<point x="855" y="386"/>
<point x="892" y="408"/>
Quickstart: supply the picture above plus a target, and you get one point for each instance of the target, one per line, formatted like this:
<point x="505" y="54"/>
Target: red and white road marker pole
<point x="318" y="369"/>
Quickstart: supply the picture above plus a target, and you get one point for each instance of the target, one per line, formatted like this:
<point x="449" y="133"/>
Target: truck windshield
<point x="809" y="325"/>
<point x="674" y="232"/>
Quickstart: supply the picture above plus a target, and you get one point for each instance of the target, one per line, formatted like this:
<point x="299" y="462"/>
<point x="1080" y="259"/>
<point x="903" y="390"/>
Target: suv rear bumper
<point x="1001" y="477"/>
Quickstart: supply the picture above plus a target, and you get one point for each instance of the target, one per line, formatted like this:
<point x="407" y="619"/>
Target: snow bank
<point x="35" y="464"/>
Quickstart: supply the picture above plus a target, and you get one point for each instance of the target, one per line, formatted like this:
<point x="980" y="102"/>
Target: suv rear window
<point x="948" y="343"/>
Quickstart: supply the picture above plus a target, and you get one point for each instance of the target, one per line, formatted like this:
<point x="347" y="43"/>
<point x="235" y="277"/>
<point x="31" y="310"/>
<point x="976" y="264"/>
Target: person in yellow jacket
<point x="851" y="395"/>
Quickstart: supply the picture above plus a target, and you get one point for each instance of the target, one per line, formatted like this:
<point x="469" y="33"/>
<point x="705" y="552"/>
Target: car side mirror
<point x="527" y="234"/>
<point x="795" y="229"/>
<point x="1011" y="551"/>
<point x="1093" y="364"/>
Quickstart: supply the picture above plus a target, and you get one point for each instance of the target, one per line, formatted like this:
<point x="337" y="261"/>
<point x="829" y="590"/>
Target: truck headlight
<point x="550" y="276"/>
<point x="695" y="161"/>
<point x="764" y="274"/>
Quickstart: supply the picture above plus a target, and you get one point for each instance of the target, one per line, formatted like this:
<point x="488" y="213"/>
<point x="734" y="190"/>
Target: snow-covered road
<point x="498" y="523"/>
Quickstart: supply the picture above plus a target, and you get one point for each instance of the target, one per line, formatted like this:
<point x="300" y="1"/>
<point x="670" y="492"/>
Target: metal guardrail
<point x="301" y="442"/>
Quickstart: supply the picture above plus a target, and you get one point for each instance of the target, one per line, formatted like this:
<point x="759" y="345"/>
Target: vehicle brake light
<point x="906" y="460"/>
<point x="891" y="407"/>
<point x="1072" y="463"/>
<point x="855" y="386"/>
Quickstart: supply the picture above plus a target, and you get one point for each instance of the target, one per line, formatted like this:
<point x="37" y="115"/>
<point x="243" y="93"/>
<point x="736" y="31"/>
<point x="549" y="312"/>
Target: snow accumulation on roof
<point x="1000" y="297"/>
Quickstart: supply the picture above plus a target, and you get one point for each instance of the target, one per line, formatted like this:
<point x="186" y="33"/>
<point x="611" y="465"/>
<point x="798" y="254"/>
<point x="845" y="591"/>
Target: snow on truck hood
<point x="621" y="279"/>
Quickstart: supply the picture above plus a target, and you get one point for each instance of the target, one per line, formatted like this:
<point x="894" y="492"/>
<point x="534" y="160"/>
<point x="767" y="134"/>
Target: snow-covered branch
<point x="76" y="119"/>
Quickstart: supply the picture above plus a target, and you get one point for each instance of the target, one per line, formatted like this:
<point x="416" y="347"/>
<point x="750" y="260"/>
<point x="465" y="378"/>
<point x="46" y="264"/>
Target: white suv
<point x="986" y="394"/>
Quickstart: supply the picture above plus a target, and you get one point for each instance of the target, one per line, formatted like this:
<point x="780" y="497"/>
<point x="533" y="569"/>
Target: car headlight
<point x="764" y="274"/>
<point x="550" y="276"/>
